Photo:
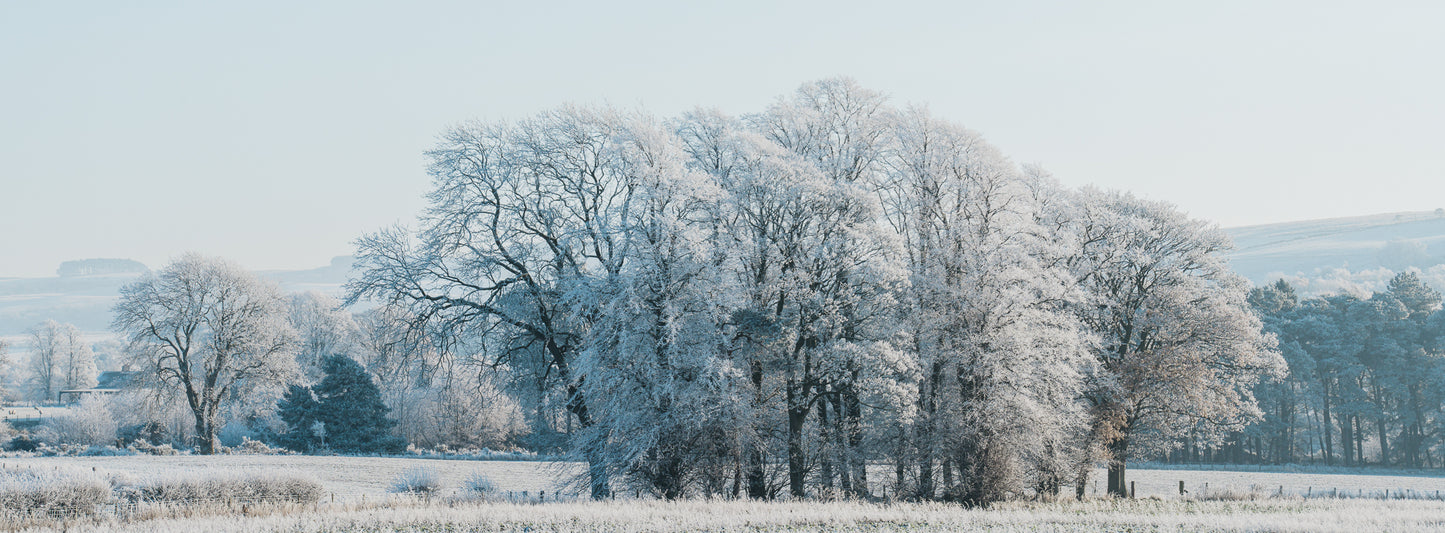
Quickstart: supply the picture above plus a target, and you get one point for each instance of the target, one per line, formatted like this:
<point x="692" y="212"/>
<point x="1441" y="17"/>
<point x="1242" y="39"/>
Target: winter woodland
<point x="783" y="304"/>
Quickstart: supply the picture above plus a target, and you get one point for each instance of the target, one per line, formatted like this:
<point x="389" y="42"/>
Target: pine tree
<point x="349" y="403"/>
<point x="298" y="408"/>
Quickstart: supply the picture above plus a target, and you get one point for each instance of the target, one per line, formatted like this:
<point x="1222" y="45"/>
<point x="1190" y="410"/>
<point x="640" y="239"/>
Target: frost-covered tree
<point x="1181" y="348"/>
<point x="210" y="330"/>
<point x="60" y="359"/>
<point x="1408" y="382"/>
<point x="1284" y="428"/>
<point x="523" y="218"/>
<point x="812" y="270"/>
<point x="46" y="348"/>
<point x="987" y="312"/>
<point x="322" y="328"/>
<point x="78" y="369"/>
<point x="776" y="302"/>
<point x="657" y="365"/>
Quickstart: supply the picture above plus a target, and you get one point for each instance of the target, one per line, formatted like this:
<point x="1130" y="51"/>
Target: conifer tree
<point x="298" y="408"/>
<point x="349" y="403"/>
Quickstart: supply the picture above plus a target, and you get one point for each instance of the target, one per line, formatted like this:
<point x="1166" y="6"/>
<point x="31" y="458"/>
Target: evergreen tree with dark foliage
<point x="349" y="403"/>
<point x="298" y="409"/>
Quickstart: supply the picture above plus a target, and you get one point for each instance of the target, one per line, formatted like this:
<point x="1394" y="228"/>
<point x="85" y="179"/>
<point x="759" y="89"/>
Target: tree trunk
<point x="1119" y="449"/>
<point x="928" y="405"/>
<point x="829" y="439"/>
<point x="947" y="474"/>
<point x="797" y="472"/>
<point x="853" y="422"/>
<point x="1384" y="444"/>
<point x="1347" y="440"/>
<point x="757" y="486"/>
<point x="1081" y="481"/>
<point x="205" y="435"/>
<point x="1325" y="416"/>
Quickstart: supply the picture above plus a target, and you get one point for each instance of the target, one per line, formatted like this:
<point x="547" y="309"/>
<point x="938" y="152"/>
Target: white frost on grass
<point x="351" y="478"/>
<point x="1098" y="515"/>
<point x="348" y="478"/>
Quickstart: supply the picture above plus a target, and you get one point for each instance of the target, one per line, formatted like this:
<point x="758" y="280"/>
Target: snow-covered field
<point x="1088" y="516"/>
<point x="362" y="502"/>
<point x="349" y="478"/>
<point x="352" y="477"/>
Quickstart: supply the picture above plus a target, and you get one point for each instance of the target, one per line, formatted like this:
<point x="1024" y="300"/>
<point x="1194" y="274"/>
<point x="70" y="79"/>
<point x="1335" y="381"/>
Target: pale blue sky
<point x="274" y="133"/>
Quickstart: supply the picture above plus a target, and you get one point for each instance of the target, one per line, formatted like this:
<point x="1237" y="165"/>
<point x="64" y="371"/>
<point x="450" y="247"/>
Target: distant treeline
<point x="91" y="267"/>
<point x="1366" y="381"/>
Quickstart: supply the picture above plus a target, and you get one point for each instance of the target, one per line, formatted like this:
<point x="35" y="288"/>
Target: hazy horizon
<point x="275" y="134"/>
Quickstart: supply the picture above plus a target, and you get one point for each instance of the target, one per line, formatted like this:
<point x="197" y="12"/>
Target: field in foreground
<point x="351" y="478"/>
<point x="1285" y="514"/>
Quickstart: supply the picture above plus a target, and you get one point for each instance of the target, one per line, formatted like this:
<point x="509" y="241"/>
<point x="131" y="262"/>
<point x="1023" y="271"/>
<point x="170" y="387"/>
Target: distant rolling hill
<point x="85" y="300"/>
<point x="1355" y="253"/>
<point x="1331" y="254"/>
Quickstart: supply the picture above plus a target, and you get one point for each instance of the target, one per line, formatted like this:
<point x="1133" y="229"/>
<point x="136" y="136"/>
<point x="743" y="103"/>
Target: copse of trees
<point x="59" y="360"/>
<point x="1366" y="383"/>
<point x="767" y="303"/>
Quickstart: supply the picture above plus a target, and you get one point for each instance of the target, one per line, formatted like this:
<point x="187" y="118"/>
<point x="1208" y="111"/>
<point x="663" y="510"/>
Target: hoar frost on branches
<point x="746" y="306"/>
<point x="1181" y="348"/>
<point x="211" y="332"/>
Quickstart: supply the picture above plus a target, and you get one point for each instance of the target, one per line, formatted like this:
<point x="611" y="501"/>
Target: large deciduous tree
<point x="1181" y="348"/>
<point x="209" y="330"/>
<point x="523" y="219"/>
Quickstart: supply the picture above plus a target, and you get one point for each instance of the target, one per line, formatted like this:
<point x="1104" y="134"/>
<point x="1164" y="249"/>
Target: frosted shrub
<point x="224" y="487"/>
<point x="478" y="484"/>
<point x="251" y="446"/>
<point x="41" y="492"/>
<point x="147" y="448"/>
<point x="89" y="423"/>
<point x="417" y="480"/>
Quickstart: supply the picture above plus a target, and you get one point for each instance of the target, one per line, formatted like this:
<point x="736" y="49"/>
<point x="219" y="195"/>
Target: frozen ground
<point x="1088" y="516"/>
<point x="352" y="477"/>
<point x="349" y="478"/>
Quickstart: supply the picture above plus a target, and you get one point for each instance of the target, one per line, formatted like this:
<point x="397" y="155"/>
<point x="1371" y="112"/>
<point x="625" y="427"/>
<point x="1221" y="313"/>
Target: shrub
<point x="51" y="492"/>
<point x="478" y="484"/>
<point x="251" y="446"/>
<point x="146" y="432"/>
<point x="89" y="423"/>
<point x="106" y="451"/>
<point x="147" y="448"/>
<point x="190" y="488"/>
<point x="22" y="443"/>
<point x="417" y="480"/>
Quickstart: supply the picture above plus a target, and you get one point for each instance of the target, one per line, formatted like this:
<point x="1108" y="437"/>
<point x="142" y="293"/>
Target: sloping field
<point x="1264" y="252"/>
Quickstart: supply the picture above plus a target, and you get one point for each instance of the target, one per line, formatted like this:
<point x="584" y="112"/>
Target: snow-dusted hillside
<point x="1353" y="253"/>
<point x="1329" y="254"/>
<point x="86" y="300"/>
